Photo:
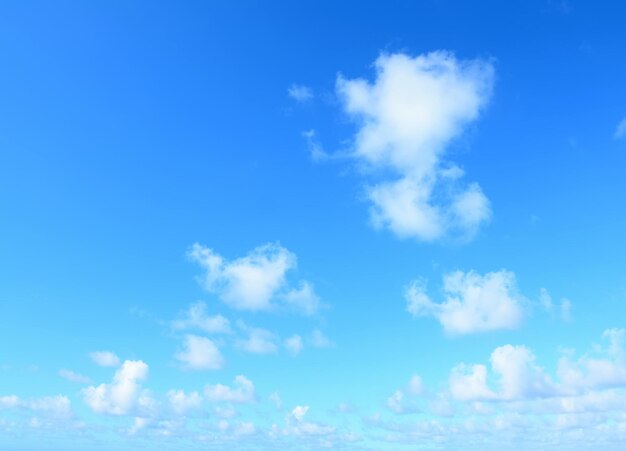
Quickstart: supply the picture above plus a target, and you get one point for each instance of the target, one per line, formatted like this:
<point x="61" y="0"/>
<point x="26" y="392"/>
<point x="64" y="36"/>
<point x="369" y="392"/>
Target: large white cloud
<point x="473" y="302"/>
<point x="255" y="281"/>
<point x="407" y="118"/>
<point x="200" y="353"/>
<point x="124" y="394"/>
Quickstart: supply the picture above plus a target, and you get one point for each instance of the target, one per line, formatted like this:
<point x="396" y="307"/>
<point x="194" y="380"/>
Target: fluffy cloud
<point x="407" y="118"/>
<point x="196" y="317"/>
<point x="473" y="303"/>
<point x="124" y="394"/>
<point x="620" y="131"/>
<point x="300" y="93"/>
<point x="254" y="281"/>
<point x="200" y="353"/>
<point x="516" y="376"/>
<point x="242" y="391"/>
<point x="105" y="358"/>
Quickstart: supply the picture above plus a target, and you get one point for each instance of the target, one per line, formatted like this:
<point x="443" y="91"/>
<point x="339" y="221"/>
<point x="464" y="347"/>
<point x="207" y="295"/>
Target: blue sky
<point x="305" y="225"/>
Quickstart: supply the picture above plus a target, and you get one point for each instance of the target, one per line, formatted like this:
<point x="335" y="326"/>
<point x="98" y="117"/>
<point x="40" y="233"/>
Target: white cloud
<point x="319" y="340"/>
<point x="300" y="93"/>
<point x="196" y="318"/>
<point x="517" y="377"/>
<point x="241" y="392"/>
<point x="299" y="412"/>
<point x="620" y="131"/>
<point x="259" y="341"/>
<point x="123" y="394"/>
<point x="473" y="303"/>
<point x="407" y="118"/>
<point x="74" y="377"/>
<point x="200" y="353"/>
<point x="606" y="367"/>
<point x="294" y="344"/>
<point x="105" y="358"/>
<point x="303" y="298"/>
<point x="182" y="402"/>
<point x="254" y="281"/>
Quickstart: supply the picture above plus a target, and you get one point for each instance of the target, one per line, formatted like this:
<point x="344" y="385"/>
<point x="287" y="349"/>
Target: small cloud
<point x="300" y="93"/>
<point x="105" y="358"/>
<point x="196" y="317"/>
<point x="253" y="282"/>
<point x="200" y="353"/>
<point x="319" y="340"/>
<point x="74" y="377"/>
<point x="566" y="310"/>
<point x="620" y="131"/>
<point x="294" y="344"/>
<point x="316" y="151"/>
<point x="259" y="341"/>
<point x="242" y="391"/>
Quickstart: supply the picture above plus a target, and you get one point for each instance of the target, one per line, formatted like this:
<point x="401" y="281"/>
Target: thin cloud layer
<point x="407" y="118"/>
<point x="473" y="303"/>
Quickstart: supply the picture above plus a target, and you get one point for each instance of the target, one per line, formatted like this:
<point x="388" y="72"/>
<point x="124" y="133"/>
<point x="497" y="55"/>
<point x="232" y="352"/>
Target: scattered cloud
<point x="124" y="394"/>
<point x="196" y="317"/>
<point x="241" y="392"/>
<point x="254" y="281"/>
<point x="620" y="131"/>
<point x="105" y="358"/>
<point x="473" y="303"/>
<point x="200" y="353"/>
<point x="74" y="377"/>
<point x="300" y="93"/>
<point x="407" y="119"/>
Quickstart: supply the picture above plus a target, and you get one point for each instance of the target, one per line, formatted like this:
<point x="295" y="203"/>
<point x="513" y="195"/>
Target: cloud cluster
<point x="256" y="281"/>
<point x="473" y="302"/>
<point x="407" y="118"/>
